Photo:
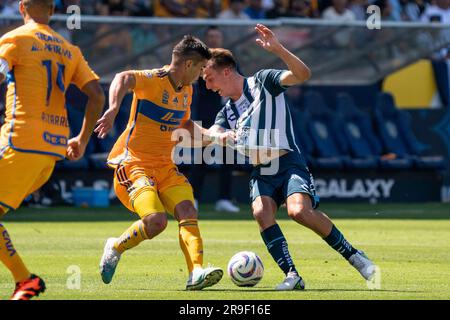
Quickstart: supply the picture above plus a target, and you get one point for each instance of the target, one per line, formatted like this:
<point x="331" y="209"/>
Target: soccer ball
<point x="245" y="269"/>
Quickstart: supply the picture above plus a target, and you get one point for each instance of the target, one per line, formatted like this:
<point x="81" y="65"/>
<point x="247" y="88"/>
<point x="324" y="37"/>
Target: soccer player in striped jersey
<point x="146" y="180"/>
<point x="38" y="65"/>
<point x="257" y="119"/>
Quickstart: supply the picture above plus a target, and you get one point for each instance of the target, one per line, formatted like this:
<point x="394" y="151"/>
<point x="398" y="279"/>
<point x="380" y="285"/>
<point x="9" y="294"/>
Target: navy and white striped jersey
<point x="261" y="116"/>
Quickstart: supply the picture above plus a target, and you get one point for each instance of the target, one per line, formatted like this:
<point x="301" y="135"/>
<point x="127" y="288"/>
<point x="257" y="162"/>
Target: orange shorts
<point x="162" y="188"/>
<point x="21" y="173"/>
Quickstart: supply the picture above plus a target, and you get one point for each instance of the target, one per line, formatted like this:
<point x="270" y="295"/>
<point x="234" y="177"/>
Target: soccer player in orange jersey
<point x="38" y="65"/>
<point x="146" y="180"/>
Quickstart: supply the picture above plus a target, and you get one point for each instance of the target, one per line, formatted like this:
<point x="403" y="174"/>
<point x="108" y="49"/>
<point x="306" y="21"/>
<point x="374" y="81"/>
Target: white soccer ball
<point x="245" y="269"/>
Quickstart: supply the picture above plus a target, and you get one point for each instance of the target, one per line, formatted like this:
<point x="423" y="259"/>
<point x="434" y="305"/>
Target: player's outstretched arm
<point x="96" y="100"/>
<point x="219" y="135"/>
<point x="122" y="83"/>
<point x="215" y="134"/>
<point x="194" y="134"/>
<point x="298" y="71"/>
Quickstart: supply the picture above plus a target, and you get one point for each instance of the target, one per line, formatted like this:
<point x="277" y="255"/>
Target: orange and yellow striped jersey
<point x="156" y="111"/>
<point x="42" y="64"/>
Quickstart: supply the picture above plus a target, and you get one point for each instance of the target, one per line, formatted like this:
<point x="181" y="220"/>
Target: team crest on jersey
<point x="148" y="74"/>
<point x="185" y="101"/>
<point x="165" y="97"/>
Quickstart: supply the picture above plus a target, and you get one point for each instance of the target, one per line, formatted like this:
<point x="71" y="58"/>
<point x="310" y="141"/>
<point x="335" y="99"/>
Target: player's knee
<point x="155" y="224"/>
<point x="186" y="210"/>
<point x="301" y="213"/>
<point x="260" y="214"/>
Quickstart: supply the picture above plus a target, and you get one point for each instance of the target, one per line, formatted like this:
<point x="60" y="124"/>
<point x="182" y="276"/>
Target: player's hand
<point x="225" y="138"/>
<point x="75" y="149"/>
<point x="105" y="124"/>
<point x="267" y="38"/>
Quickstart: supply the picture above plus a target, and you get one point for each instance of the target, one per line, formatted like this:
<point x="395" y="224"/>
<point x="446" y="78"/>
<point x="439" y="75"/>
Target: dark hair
<point x="222" y="58"/>
<point x="41" y="3"/>
<point x="191" y="48"/>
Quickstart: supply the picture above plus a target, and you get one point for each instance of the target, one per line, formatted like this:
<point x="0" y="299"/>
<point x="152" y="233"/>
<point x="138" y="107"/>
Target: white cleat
<point x="109" y="261"/>
<point x="202" y="278"/>
<point x="226" y="205"/>
<point x="292" y="282"/>
<point x="363" y="264"/>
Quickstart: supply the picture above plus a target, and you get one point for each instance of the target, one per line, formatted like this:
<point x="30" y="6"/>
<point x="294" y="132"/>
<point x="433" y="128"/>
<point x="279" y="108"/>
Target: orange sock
<point x="191" y="243"/>
<point x="10" y="257"/>
<point x="134" y="235"/>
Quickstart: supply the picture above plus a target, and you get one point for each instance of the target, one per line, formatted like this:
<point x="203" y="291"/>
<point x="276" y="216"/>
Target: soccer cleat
<point x="109" y="261"/>
<point x="363" y="264"/>
<point x="226" y="205"/>
<point x="28" y="288"/>
<point x="292" y="282"/>
<point x="202" y="278"/>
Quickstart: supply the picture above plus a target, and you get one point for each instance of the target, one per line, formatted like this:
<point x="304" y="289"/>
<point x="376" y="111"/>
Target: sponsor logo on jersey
<point x="54" y="119"/>
<point x="168" y="117"/>
<point x="55" y="140"/>
<point x="165" y="97"/>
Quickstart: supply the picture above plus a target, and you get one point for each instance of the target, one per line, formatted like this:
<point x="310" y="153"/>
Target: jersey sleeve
<point x="270" y="78"/>
<point x="221" y="120"/>
<point x="83" y="73"/>
<point x="9" y="51"/>
<point x="144" y="80"/>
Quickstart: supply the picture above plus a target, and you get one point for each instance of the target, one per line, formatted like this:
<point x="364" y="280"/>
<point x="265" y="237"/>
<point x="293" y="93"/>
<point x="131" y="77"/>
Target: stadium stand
<point x="397" y="136"/>
<point x="363" y="143"/>
<point x="318" y="122"/>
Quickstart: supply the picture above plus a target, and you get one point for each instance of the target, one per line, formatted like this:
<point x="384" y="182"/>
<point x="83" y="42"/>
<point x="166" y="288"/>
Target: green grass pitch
<point x="409" y="242"/>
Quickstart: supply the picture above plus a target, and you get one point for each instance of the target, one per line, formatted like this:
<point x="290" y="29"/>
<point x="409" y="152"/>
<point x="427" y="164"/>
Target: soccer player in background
<point x="257" y="106"/>
<point x="146" y="180"/>
<point x="38" y="65"/>
<point x="205" y="106"/>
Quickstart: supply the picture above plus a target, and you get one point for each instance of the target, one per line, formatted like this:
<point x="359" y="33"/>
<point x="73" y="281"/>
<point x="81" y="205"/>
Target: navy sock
<point x="337" y="241"/>
<point x="278" y="248"/>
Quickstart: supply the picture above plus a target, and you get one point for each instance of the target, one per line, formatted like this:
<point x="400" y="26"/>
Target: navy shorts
<point x="292" y="177"/>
